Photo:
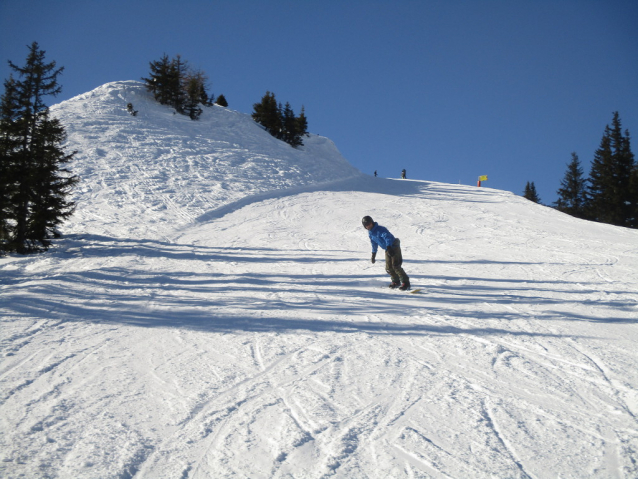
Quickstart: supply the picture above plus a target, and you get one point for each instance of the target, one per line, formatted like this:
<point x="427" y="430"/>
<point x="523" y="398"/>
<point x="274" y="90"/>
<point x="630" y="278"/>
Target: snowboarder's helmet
<point x="366" y="221"/>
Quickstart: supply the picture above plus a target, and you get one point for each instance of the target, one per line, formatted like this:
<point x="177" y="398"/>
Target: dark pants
<point x="393" y="264"/>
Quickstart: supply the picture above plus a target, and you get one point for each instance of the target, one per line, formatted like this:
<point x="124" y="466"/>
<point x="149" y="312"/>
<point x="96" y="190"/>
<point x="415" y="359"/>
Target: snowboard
<point x="411" y="291"/>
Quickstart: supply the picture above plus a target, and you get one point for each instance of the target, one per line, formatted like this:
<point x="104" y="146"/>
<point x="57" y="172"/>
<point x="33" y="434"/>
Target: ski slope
<point x="212" y="312"/>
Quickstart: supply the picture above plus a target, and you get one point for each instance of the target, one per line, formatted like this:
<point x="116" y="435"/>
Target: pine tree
<point x="195" y="91"/>
<point x="169" y="82"/>
<point x="289" y="130"/>
<point x="280" y="121"/>
<point x="51" y="183"/>
<point x="572" y="195"/>
<point x="601" y="181"/>
<point x="633" y="187"/>
<point x="34" y="201"/>
<point x="196" y="94"/>
<point x="161" y="81"/>
<point x="9" y="144"/>
<point x="630" y="196"/>
<point x="278" y="131"/>
<point x="178" y="85"/>
<point x="302" y="123"/>
<point x="221" y="101"/>
<point x="201" y="79"/>
<point x="530" y="192"/>
<point x="268" y="114"/>
<point x="611" y="199"/>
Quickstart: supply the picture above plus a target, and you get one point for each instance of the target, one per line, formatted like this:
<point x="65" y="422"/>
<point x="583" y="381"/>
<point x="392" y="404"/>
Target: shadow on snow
<point x="264" y="302"/>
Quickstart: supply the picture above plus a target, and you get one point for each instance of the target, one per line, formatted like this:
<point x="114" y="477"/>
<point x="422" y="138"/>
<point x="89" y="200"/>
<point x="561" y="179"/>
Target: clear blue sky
<point x="447" y="89"/>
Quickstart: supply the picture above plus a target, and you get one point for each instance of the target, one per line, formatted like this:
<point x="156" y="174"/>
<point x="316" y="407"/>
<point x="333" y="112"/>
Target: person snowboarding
<point x="403" y="173"/>
<point x="380" y="236"/>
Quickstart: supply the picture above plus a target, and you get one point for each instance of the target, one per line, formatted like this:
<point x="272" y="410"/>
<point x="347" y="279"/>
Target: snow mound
<point x="158" y="170"/>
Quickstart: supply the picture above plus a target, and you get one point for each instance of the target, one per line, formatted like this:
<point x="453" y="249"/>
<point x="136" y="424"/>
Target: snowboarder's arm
<point x="375" y="246"/>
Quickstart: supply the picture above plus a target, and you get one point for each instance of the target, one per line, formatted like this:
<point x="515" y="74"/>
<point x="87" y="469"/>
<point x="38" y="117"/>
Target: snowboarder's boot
<point x="405" y="286"/>
<point x="394" y="285"/>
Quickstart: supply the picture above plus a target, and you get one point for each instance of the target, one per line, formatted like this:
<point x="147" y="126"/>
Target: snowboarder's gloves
<point x="390" y="250"/>
<point x="374" y="258"/>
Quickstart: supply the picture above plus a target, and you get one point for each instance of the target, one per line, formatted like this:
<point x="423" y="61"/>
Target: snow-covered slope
<point x="158" y="170"/>
<point x="193" y="326"/>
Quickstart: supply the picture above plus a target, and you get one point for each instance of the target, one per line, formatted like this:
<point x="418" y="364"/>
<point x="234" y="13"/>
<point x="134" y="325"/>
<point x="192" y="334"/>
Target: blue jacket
<point x="380" y="236"/>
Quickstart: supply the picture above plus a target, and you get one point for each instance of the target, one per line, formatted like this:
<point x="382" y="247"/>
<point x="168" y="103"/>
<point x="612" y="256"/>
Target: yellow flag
<point x="483" y="178"/>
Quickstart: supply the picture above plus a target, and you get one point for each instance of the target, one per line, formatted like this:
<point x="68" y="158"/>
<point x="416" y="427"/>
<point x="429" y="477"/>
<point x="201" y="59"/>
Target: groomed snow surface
<point x="212" y="312"/>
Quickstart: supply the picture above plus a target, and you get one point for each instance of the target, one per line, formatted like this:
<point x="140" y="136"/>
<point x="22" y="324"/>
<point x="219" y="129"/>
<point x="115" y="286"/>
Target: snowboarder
<point x="131" y="110"/>
<point x="380" y="236"/>
<point x="375" y="173"/>
<point x="403" y="173"/>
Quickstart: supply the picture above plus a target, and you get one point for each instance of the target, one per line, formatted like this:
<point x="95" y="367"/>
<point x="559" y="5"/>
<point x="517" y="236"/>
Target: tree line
<point x="610" y="193"/>
<point x="174" y="83"/>
<point x="34" y="184"/>
<point x="279" y="121"/>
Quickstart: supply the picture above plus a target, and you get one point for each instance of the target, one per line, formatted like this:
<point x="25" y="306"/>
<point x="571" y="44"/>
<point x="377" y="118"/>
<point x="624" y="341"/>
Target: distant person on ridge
<point x="380" y="236"/>
<point x="403" y="173"/>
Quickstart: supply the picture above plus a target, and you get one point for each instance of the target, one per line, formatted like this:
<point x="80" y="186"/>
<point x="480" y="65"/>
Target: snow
<point x="212" y="312"/>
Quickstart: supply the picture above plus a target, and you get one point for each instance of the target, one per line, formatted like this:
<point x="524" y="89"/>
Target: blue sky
<point x="448" y="89"/>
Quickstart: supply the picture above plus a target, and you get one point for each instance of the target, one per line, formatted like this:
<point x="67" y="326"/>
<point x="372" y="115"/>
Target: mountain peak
<point x="160" y="170"/>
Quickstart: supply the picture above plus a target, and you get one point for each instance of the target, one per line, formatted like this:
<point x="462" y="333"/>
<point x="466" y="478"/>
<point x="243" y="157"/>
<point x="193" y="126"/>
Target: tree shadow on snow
<point x="87" y="246"/>
<point x="271" y="301"/>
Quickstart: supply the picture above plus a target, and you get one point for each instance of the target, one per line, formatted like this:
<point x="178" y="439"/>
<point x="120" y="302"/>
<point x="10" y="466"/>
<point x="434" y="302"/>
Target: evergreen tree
<point x="629" y="166"/>
<point x="201" y="80"/>
<point x="179" y="84"/>
<point x="170" y="81"/>
<point x="611" y="199"/>
<point x="302" y="123"/>
<point x="279" y="132"/>
<point x="161" y="81"/>
<point x="9" y="144"/>
<point x="280" y="121"/>
<point x="34" y="196"/>
<point x="268" y="114"/>
<point x="289" y="121"/>
<point x="600" y="180"/>
<point x="633" y="187"/>
<point x="221" y="101"/>
<point x="530" y="192"/>
<point x="195" y="91"/>
<point x="572" y="195"/>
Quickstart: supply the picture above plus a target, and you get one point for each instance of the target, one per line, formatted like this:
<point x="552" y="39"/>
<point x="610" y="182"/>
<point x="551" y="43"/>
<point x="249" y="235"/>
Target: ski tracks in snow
<point x="262" y="344"/>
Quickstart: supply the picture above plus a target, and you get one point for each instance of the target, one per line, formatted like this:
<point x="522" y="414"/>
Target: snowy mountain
<point x="159" y="170"/>
<point x="212" y="312"/>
